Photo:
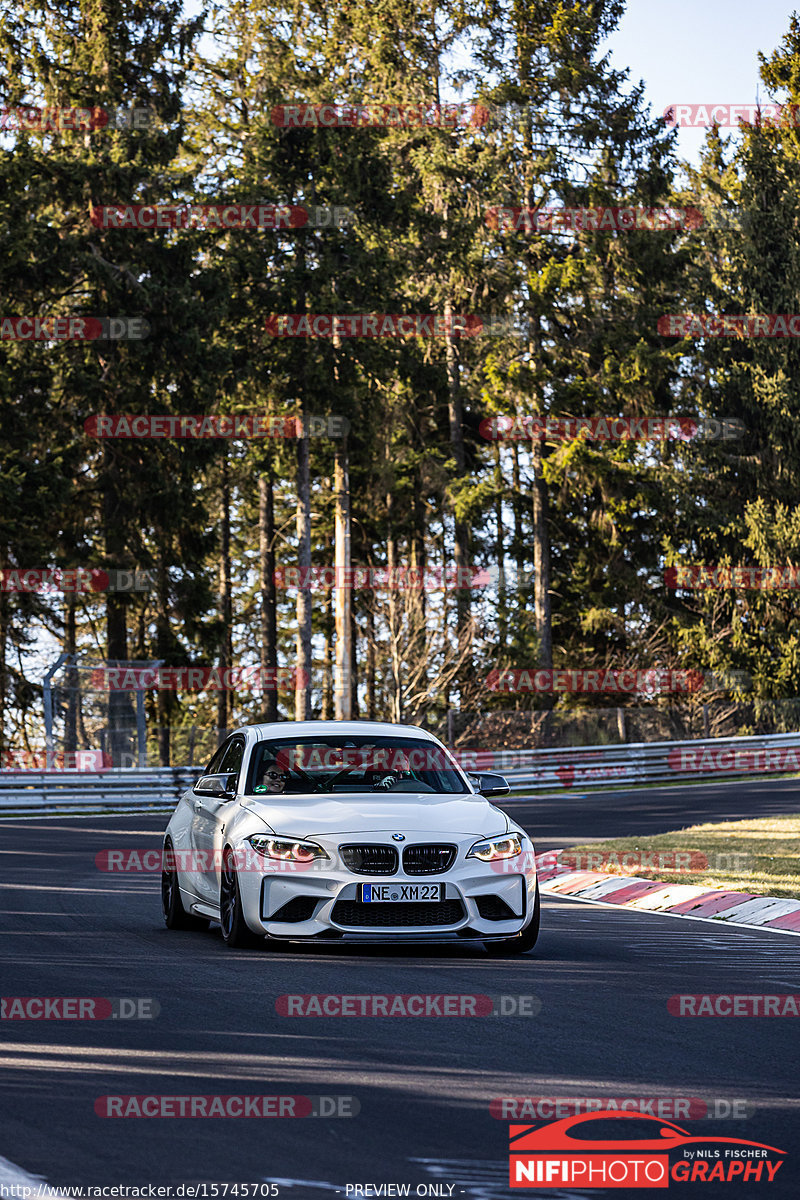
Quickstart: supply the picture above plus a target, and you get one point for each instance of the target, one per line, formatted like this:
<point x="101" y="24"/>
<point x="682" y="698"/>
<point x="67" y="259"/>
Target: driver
<point x="272" y="778"/>
<point x="400" y="769"/>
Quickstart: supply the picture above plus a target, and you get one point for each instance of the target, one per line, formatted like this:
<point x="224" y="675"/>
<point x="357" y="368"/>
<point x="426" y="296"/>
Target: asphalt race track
<point x="424" y="1085"/>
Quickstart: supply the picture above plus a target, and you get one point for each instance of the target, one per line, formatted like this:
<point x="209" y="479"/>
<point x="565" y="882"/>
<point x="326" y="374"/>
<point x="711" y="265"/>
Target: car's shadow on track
<point x="330" y="948"/>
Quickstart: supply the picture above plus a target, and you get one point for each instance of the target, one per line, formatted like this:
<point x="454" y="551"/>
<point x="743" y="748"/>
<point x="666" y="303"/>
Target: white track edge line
<point x="653" y="912"/>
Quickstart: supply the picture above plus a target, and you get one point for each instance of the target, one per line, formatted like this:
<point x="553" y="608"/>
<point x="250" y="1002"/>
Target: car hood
<point x="408" y="812"/>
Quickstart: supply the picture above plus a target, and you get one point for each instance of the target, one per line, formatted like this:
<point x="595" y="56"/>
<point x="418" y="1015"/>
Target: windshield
<point x="334" y="765"/>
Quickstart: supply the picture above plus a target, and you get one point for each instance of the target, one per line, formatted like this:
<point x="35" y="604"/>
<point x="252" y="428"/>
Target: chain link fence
<point x="90" y="725"/>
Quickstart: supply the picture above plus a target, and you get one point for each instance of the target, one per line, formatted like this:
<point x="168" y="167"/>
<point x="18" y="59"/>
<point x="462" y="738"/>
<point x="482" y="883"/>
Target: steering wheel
<point x="386" y="784"/>
<point x="339" y="776"/>
<point x="313" y="786"/>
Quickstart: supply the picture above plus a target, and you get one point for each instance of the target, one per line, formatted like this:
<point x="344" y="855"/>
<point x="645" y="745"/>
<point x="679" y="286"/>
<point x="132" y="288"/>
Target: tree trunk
<point x="268" y="613"/>
<point x="541" y="562"/>
<point x="370" y="670"/>
<point x="326" y="708"/>
<point x="120" y="713"/>
<point x="541" y="584"/>
<point x="71" y="676"/>
<point x="518" y="548"/>
<point x="302" y="692"/>
<point x="224" y="697"/>
<point x="4" y="621"/>
<point x="500" y="550"/>
<point x="415" y="595"/>
<point x="455" y="410"/>
<point x="165" y="701"/>
<point x="445" y="606"/>
<point x="342" y="691"/>
<point x="394" y="624"/>
<point x="353" y="661"/>
<point x="121" y="718"/>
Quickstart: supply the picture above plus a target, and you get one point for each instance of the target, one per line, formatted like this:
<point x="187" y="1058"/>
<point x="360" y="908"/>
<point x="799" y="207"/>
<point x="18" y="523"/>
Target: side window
<point x="213" y="766"/>
<point x="232" y="758"/>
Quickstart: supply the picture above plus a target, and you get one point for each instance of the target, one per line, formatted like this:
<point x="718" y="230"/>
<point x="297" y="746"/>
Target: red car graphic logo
<point x="557" y="1136"/>
<point x="578" y="1151"/>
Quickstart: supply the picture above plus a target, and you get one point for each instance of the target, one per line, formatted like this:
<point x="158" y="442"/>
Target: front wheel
<point x="236" y="932"/>
<point x="522" y="942"/>
<point x="175" y="915"/>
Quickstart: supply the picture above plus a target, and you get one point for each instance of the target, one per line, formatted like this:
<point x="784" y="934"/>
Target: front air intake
<point x="494" y="908"/>
<point x="301" y="908"/>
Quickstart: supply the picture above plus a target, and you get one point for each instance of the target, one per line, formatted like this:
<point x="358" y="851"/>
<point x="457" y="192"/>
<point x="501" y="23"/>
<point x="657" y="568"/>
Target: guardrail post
<point x="141" y="731"/>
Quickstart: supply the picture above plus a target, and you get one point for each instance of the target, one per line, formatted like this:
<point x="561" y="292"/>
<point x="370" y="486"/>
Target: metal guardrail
<point x="136" y="787"/>
<point x="565" y="769"/>
<point x="642" y="762"/>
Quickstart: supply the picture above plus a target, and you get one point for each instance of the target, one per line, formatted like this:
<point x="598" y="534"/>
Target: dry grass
<point x="767" y="852"/>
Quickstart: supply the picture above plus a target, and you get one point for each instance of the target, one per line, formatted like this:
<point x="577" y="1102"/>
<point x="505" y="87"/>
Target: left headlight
<point x="503" y="847"/>
<point x="286" y="849"/>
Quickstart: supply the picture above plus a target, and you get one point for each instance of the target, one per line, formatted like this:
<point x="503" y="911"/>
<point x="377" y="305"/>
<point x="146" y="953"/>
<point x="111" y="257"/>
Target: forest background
<point x="568" y="540"/>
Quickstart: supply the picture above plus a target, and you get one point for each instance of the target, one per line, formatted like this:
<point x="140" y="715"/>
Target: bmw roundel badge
<point x="398" y="837"/>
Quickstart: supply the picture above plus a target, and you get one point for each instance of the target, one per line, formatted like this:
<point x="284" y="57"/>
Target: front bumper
<point x="479" y="903"/>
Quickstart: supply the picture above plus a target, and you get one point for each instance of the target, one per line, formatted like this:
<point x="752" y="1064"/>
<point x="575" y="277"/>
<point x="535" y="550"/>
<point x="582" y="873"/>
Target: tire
<point x="236" y="933"/>
<point x="175" y="915"/>
<point x="523" y="942"/>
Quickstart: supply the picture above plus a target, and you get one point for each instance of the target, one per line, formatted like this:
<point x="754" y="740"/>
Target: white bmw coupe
<point x="353" y="830"/>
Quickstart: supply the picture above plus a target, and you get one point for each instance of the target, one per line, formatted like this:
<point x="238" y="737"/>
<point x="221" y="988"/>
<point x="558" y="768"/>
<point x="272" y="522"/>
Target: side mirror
<point x="490" y="784"/>
<point x="223" y="787"/>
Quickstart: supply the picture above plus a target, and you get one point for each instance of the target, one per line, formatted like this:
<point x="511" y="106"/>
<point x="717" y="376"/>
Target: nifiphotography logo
<point x="612" y="1149"/>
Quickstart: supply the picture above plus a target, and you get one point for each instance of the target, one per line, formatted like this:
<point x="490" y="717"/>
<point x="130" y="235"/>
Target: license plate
<point x="400" y="893"/>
